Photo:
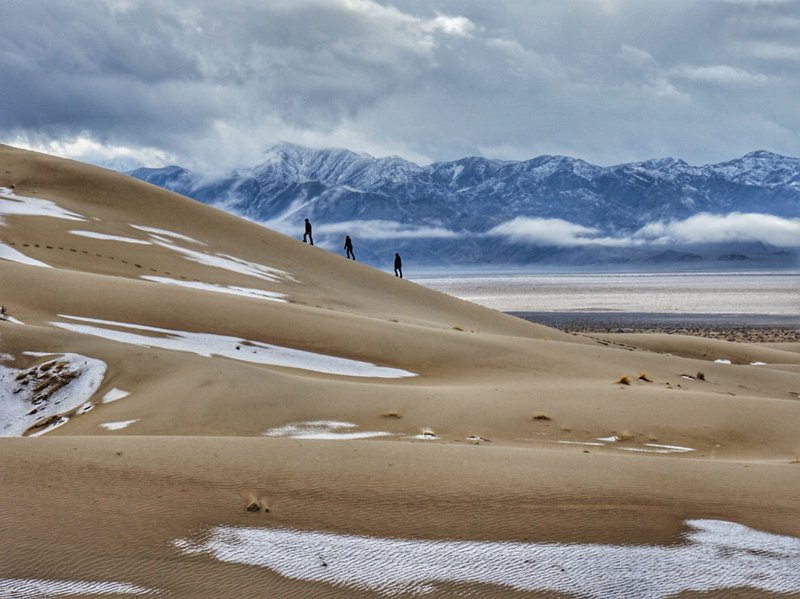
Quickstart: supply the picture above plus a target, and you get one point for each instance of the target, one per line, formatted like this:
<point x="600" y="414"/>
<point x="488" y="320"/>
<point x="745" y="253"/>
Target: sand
<point x="452" y="422"/>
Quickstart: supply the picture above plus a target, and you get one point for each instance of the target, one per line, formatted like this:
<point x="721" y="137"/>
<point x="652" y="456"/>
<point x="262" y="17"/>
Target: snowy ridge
<point x="472" y="196"/>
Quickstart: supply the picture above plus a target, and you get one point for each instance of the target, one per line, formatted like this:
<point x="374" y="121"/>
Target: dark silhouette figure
<point x="307" y="234"/>
<point x="348" y="246"/>
<point x="398" y="266"/>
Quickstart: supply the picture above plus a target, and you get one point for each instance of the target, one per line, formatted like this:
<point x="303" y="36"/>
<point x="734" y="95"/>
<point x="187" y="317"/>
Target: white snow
<point x="231" y="263"/>
<point x="12" y="204"/>
<point x="235" y="348"/>
<point x="427" y="435"/>
<point x="114" y="395"/>
<point x="758" y="363"/>
<point x="677" y="448"/>
<point x="722" y="361"/>
<point x="12" y="319"/>
<point x="713" y="555"/>
<point x="105" y="236"/>
<point x="86" y="407"/>
<point x="115" y="426"/>
<point x="35" y="588"/>
<point x="9" y="253"/>
<point x="6" y="358"/>
<point x="322" y="429"/>
<point x="40" y="393"/>
<point x="611" y="439"/>
<point x="273" y="296"/>
<point x="164" y="232"/>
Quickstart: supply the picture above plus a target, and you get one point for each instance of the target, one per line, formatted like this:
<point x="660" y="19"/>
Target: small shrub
<point x="700" y="376"/>
<point x="624" y="380"/>
<point x="392" y="415"/>
<point x="540" y="417"/>
<point x="643" y="377"/>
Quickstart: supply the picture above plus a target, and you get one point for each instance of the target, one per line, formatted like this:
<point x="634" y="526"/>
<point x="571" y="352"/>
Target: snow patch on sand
<point x="231" y="263"/>
<point x="722" y="361"/>
<point x="713" y="555"/>
<point x="166" y="233"/>
<point x="12" y="205"/>
<point x="43" y="394"/>
<point x="36" y="588"/>
<point x="107" y="237"/>
<point x="58" y="422"/>
<point x="235" y="348"/>
<point x="273" y="296"/>
<point x="758" y="363"/>
<point x="323" y="429"/>
<point x="12" y="255"/>
<point x="114" y="395"/>
<point x="115" y="426"/>
<point x="427" y="435"/>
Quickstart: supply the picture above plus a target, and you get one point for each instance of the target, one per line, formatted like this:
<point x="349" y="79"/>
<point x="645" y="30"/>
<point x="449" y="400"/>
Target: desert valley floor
<point x="192" y="405"/>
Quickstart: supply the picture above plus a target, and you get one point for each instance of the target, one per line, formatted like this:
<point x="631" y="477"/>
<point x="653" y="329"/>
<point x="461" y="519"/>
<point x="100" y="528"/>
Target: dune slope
<point x="190" y="376"/>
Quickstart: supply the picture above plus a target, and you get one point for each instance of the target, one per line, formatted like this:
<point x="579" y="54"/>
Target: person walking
<point x="398" y="266"/>
<point x="348" y="246"/>
<point x="307" y="234"/>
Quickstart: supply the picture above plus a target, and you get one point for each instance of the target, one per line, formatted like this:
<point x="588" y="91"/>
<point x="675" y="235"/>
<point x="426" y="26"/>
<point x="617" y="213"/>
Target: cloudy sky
<point x="213" y="83"/>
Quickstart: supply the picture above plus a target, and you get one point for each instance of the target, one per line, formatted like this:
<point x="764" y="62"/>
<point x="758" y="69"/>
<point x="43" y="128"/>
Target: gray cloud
<point x="214" y="83"/>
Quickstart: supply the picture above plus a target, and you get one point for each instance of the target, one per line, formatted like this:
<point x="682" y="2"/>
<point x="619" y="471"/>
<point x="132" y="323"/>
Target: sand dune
<point x="237" y="367"/>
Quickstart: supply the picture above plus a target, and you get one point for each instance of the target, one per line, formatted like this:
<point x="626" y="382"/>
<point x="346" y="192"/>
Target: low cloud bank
<point x="698" y="229"/>
<point x="384" y="229"/>
<point x="717" y="228"/>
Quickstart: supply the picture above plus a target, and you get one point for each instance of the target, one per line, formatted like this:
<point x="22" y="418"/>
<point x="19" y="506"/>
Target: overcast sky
<point x="206" y="83"/>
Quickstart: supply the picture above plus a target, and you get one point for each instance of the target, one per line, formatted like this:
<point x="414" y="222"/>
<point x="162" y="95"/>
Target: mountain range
<point x="550" y="210"/>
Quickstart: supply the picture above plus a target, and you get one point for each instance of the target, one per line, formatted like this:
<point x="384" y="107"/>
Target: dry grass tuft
<point x="700" y="376"/>
<point x="625" y="436"/>
<point x="392" y="415"/>
<point x="458" y="329"/>
<point x="540" y="416"/>
<point x="624" y="380"/>
<point x="643" y="377"/>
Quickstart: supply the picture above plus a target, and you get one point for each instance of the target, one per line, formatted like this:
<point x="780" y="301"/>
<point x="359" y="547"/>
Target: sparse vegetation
<point x="458" y="329"/>
<point x="540" y="416"/>
<point x="625" y="436"/>
<point x="624" y="380"/>
<point x="700" y="376"/>
<point x="643" y="377"/>
<point x="392" y="415"/>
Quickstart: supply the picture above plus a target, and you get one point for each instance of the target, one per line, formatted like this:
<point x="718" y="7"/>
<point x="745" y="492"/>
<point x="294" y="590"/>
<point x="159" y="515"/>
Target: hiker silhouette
<point x="307" y="234"/>
<point x="398" y="266"/>
<point x="348" y="246"/>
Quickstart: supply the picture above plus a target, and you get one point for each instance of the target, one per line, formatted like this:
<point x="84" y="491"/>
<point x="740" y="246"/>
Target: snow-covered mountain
<point x="478" y="211"/>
